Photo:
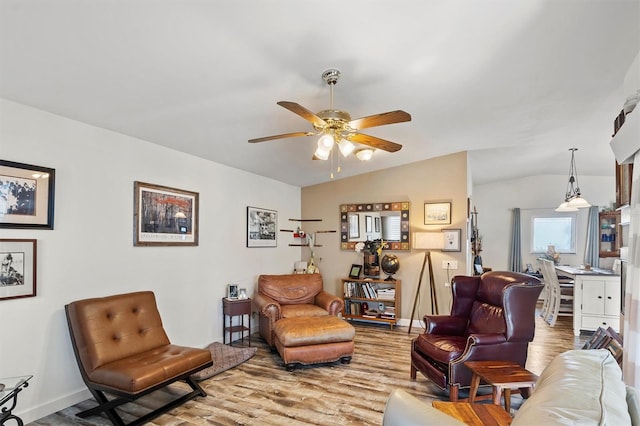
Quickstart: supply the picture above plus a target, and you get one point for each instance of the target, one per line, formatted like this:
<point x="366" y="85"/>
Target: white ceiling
<point x="516" y="83"/>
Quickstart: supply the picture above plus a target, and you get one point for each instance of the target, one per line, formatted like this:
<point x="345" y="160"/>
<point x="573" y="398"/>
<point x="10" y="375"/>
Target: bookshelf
<point x="372" y="300"/>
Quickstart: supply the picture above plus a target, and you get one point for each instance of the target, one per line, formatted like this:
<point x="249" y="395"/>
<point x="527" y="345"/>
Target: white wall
<point x="90" y="252"/>
<point x="533" y="194"/>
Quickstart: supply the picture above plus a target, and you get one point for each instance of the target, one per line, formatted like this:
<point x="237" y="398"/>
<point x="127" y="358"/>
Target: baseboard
<point x="54" y="406"/>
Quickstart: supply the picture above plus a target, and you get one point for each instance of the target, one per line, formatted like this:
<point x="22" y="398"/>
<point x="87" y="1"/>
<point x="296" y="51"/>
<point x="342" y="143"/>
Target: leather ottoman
<point x="314" y="340"/>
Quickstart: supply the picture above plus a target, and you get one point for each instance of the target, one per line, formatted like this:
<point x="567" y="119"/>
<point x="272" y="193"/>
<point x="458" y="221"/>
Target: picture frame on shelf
<point x="164" y="216"/>
<point x="437" y="213"/>
<point x="261" y="227"/>
<point x="18" y="268"/>
<point x="452" y="238"/>
<point x="355" y="271"/>
<point x="242" y="293"/>
<point x="29" y="192"/>
<point x="232" y="291"/>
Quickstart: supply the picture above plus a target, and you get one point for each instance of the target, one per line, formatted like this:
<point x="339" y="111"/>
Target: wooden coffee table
<point x="474" y="414"/>
<point x="503" y="376"/>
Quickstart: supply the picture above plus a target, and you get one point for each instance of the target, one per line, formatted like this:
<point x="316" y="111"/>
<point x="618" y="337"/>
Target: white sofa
<point x="577" y="387"/>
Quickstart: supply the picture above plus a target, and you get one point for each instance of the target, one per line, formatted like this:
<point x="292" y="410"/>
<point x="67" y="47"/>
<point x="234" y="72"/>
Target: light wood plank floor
<point x="262" y="392"/>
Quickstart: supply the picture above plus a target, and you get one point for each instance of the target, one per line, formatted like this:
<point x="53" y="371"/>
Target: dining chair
<point x="560" y="293"/>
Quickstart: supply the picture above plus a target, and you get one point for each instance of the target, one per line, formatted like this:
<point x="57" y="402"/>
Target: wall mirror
<point x="374" y="221"/>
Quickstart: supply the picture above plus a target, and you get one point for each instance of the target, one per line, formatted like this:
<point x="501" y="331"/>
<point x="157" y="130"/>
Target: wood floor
<point x="262" y="392"/>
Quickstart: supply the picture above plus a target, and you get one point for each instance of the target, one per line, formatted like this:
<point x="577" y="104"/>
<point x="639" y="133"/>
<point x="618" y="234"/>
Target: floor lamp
<point x="427" y="241"/>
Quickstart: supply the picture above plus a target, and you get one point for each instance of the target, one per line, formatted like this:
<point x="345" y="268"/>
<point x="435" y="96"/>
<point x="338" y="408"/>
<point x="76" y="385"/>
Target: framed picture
<point x="261" y="227"/>
<point x="18" y="268"/>
<point x="242" y="294"/>
<point x="26" y="196"/>
<point x="368" y="220"/>
<point x="232" y="291"/>
<point x="452" y="239"/>
<point x="437" y="213"/>
<point x="164" y="216"/>
<point x="355" y="271"/>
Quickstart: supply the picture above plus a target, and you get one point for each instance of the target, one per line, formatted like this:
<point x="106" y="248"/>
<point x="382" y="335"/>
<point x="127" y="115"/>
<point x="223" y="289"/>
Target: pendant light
<point x="573" y="199"/>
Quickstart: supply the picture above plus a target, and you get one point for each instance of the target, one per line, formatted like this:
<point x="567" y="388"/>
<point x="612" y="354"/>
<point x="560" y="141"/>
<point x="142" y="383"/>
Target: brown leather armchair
<point x="291" y="295"/>
<point x="492" y="318"/>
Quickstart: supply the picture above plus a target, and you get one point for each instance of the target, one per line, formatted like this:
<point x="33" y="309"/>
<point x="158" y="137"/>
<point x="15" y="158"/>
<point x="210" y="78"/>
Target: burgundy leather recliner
<point x="492" y="318"/>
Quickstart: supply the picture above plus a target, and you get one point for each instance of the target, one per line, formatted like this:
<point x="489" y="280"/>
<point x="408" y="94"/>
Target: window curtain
<point x="515" y="253"/>
<point x="592" y="250"/>
<point x="631" y="326"/>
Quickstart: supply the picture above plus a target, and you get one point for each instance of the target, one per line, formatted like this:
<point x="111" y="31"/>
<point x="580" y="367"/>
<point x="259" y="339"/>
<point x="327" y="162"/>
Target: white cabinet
<point x="596" y="298"/>
<point x="597" y="303"/>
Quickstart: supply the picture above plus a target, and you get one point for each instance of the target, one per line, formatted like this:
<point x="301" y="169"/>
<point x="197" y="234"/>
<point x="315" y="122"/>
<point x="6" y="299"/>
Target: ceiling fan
<point x="336" y="127"/>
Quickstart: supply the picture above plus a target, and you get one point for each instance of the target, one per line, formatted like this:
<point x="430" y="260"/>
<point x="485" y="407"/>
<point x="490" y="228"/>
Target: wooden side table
<point x="234" y="308"/>
<point x="502" y="376"/>
<point x="474" y="414"/>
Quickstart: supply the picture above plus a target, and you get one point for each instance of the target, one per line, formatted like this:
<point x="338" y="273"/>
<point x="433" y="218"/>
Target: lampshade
<point x="578" y="203"/>
<point x="565" y="207"/>
<point x="364" y="154"/>
<point x="428" y="240"/>
<point x="326" y="141"/>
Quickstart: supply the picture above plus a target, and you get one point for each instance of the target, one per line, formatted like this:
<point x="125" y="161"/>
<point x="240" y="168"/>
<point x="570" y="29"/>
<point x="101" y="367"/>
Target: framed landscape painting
<point x="437" y="213"/>
<point x="26" y="196"/>
<point x="164" y="216"/>
<point x="18" y="268"/>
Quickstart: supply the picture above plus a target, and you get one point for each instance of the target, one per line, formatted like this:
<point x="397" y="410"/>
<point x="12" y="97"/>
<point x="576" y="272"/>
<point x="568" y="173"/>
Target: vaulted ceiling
<point x="515" y="83"/>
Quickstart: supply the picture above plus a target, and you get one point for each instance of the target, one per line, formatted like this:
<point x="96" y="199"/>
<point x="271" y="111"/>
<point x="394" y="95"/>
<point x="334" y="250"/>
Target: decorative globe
<point x="390" y="265"/>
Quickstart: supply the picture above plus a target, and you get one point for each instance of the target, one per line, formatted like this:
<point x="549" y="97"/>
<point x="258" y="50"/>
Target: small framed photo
<point x="232" y="291"/>
<point x="18" y="268"/>
<point x="437" y="213"/>
<point x="242" y="294"/>
<point x="452" y="239"/>
<point x="261" y="227"/>
<point x="355" y="271"/>
<point x="164" y="216"/>
<point x="26" y="196"/>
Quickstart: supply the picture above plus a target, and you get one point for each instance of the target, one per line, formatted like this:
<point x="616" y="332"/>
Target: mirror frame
<point x="401" y="206"/>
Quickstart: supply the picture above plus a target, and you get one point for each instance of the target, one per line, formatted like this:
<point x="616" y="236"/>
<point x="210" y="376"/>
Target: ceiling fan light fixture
<point x="322" y="152"/>
<point x="364" y="154"/>
<point x="326" y="141"/>
<point x="346" y="147"/>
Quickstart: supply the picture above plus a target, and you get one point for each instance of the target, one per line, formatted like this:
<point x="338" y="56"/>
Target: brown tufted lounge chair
<point x="123" y="350"/>
<point x="492" y="318"/>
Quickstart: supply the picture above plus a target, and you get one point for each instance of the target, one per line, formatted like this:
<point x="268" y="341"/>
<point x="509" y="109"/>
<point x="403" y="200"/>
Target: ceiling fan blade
<point x="285" y="135"/>
<point x="375" y="142"/>
<point x="390" y="117"/>
<point x="303" y="112"/>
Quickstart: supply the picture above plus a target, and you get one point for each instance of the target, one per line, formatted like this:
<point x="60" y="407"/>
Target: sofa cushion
<point x="578" y="387"/>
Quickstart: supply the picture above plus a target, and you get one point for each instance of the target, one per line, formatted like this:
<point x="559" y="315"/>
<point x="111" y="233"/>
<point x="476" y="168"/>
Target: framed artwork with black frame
<point x="261" y="227"/>
<point x="18" y="268"/>
<point x="27" y="193"/>
<point x="164" y="216"/>
<point x="354" y="272"/>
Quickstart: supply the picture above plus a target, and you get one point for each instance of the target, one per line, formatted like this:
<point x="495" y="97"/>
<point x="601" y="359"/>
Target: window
<point x="559" y="231"/>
